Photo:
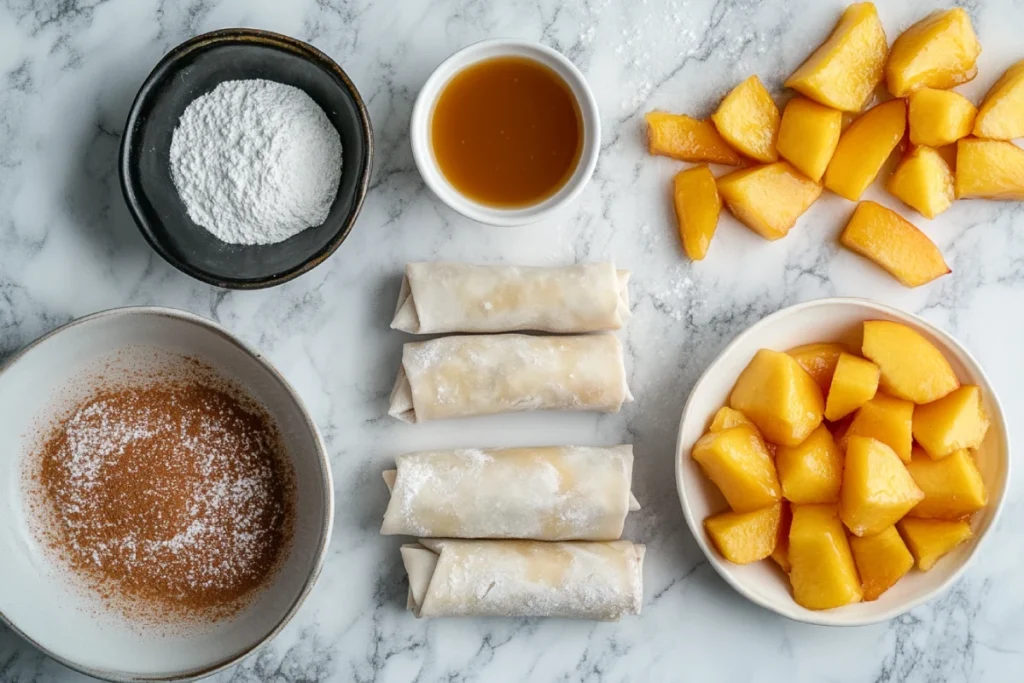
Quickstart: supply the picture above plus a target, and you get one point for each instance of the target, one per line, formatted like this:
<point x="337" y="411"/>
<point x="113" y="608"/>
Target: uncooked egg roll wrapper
<point x="439" y="298"/>
<point x="580" y="580"/>
<point x="557" y="493"/>
<point x="485" y="374"/>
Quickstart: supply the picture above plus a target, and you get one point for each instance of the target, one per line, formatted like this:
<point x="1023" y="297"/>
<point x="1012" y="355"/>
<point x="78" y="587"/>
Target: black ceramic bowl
<point x="194" y="68"/>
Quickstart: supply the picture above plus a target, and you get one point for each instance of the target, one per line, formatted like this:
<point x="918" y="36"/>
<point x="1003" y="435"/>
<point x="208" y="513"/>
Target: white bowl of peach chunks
<point x="841" y="461"/>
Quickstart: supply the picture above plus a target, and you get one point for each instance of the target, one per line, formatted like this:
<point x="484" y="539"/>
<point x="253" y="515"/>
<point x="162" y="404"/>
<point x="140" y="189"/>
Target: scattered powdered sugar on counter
<point x="256" y="162"/>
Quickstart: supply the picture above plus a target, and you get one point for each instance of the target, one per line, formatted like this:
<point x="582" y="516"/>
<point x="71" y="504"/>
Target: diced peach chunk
<point x="697" y="207"/>
<point x="894" y="243"/>
<point x="749" y="120"/>
<point x="739" y="464"/>
<point x="939" y="117"/>
<point x="822" y="570"/>
<point x="779" y="396"/>
<point x="953" y="422"/>
<point x="953" y="487"/>
<point x="877" y="489"/>
<point x="727" y="417"/>
<point x="888" y="419"/>
<point x="768" y="199"/>
<point x="940" y="51"/>
<point x="1001" y="115"/>
<point x="845" y="70"/>
<point x="863" y="148"/>
<point x="745" y="537"/>
<point x="808" y="135"/>
<point x="882" y="560"/>
<point x="688" y="139"/>
<point x="819" y="360"/>
<point x="930" y="539"/>
<point x="812" y="471"/>
<point x="853" y="384"/>
<point x="989" y="169"/>
<point x="923" y="181"/>
<point x="911" y="367"/>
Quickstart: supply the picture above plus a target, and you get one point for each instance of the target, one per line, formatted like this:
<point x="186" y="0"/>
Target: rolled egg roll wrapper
<point x="485" y="374"/>
<point x="438" y="298"/>
<point x="558" y="493"/>
<point x="581" y="580"/>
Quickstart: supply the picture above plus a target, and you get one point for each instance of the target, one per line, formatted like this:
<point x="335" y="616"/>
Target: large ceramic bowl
<point x="41" y="601"/>
<point x="830" y="320"/>
<point x="194" y="68"/>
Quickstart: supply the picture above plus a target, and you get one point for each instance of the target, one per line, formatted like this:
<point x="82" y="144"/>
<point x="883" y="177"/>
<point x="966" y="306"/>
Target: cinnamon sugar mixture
<point x="171" y="500"/>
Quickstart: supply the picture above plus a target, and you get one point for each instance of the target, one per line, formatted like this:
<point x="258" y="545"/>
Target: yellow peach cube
<point x="819" y="360"/>
<point x="726" y="417"/>
<point x="697" y="207"/>
<point x="768" y="199"/>
<point x="953" y="487"/>
<point x="749" y="120"/>
<point x="882" y="560"/>
<point x="911" y="367"/>
<point x="822" y="570"/>
<point x="863" y="148"/>
<point x="893" y="243"/>
<point x="940" y="51"/>
<point x="955" y="421"/>
<point x="854" y="383"/>
<point x="779" y="396"/>
<point x="688" y="139"/>
<point x="808" y="135"/>
<point x="939" y="117"/>
<point x="887" y="419"/>
<point x="738" y="462"/>
<point x="924" y="182"/>
<point x="877" y="488"/>
<point x="812" y="471"/>
<point x="930" y="539"/>
<point x="989" y="169"/>
<point x="745" y="537"/>
<point x="1001" y="115"/>
<point x="845" y="70"/>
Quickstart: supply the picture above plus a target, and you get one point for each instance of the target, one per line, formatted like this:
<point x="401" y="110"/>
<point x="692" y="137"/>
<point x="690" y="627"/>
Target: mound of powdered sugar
<point x="256" y="162"/>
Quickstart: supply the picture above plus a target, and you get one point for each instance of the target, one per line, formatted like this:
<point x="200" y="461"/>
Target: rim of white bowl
<point x="422" y="113"/>
<point x="835" y="617"/>
<point x="326" y="481"/>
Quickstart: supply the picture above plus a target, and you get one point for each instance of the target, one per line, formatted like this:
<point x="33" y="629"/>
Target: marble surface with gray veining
<point x="68" y="72"/>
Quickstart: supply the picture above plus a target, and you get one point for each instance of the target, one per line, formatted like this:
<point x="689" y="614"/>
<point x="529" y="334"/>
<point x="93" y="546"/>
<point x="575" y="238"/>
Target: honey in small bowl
<point x="507" y="132"/>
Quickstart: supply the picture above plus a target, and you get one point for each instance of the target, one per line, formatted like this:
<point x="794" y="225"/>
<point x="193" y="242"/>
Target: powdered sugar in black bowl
<point x="255" y="67"/>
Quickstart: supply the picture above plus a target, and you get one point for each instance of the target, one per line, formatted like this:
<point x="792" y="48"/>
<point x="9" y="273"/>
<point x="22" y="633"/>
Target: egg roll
<point x="439" y="298"/>
<point x="484" y="374"/>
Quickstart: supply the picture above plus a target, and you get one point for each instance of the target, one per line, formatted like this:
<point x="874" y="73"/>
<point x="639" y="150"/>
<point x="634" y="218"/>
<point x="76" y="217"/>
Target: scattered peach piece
<point x="768" y="199"/>
<point x="939" y="117"/>
<point x="1001" y="115"/>
<point x="808" y="135"/>
<point x="864" y="147"/>
<point x="940" y="51"/>
<point x="749" y="120"/>
<point x="924" y="182"/>
<point x="845" y="70"/>
<point x="989" y="169"/>
<point x="697" y="208"/>
<point x="885" y="237"/>
<point x="688" y="139"/>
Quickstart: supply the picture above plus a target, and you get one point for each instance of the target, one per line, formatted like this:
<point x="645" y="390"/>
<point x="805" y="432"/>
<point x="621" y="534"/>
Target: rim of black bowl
<point x="244" y="35"/>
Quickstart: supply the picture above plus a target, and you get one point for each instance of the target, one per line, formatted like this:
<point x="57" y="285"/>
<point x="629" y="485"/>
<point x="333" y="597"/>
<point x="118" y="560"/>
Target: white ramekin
<point x="423" y="111"/>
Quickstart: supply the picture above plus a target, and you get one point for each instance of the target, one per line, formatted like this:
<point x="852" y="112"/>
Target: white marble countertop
<point x="68" y="72"/>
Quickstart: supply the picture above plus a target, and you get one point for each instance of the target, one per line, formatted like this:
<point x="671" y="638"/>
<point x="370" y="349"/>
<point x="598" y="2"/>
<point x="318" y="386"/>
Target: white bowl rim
<point x="835" y="617"/>
<point x="434" y="178"/>
<point x="326" y="480"/>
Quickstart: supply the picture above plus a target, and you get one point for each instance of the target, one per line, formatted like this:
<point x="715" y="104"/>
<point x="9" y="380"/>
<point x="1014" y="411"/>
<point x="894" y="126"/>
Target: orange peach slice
<point x="808" y="135"/>
<point x="688" y="139"/>
<point x="1001" y="115"/>
<point x="989" y="169"/>
<point x="885" y="237"/>
<point x="911" y="367"/>
<point x="697" y="208"/>
<point x="863" y="148"/>
<point x="940" y="51"/>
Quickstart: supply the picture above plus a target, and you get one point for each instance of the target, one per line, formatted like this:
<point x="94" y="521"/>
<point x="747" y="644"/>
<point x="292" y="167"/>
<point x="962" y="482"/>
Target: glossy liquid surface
<point x="507" y="132"/>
